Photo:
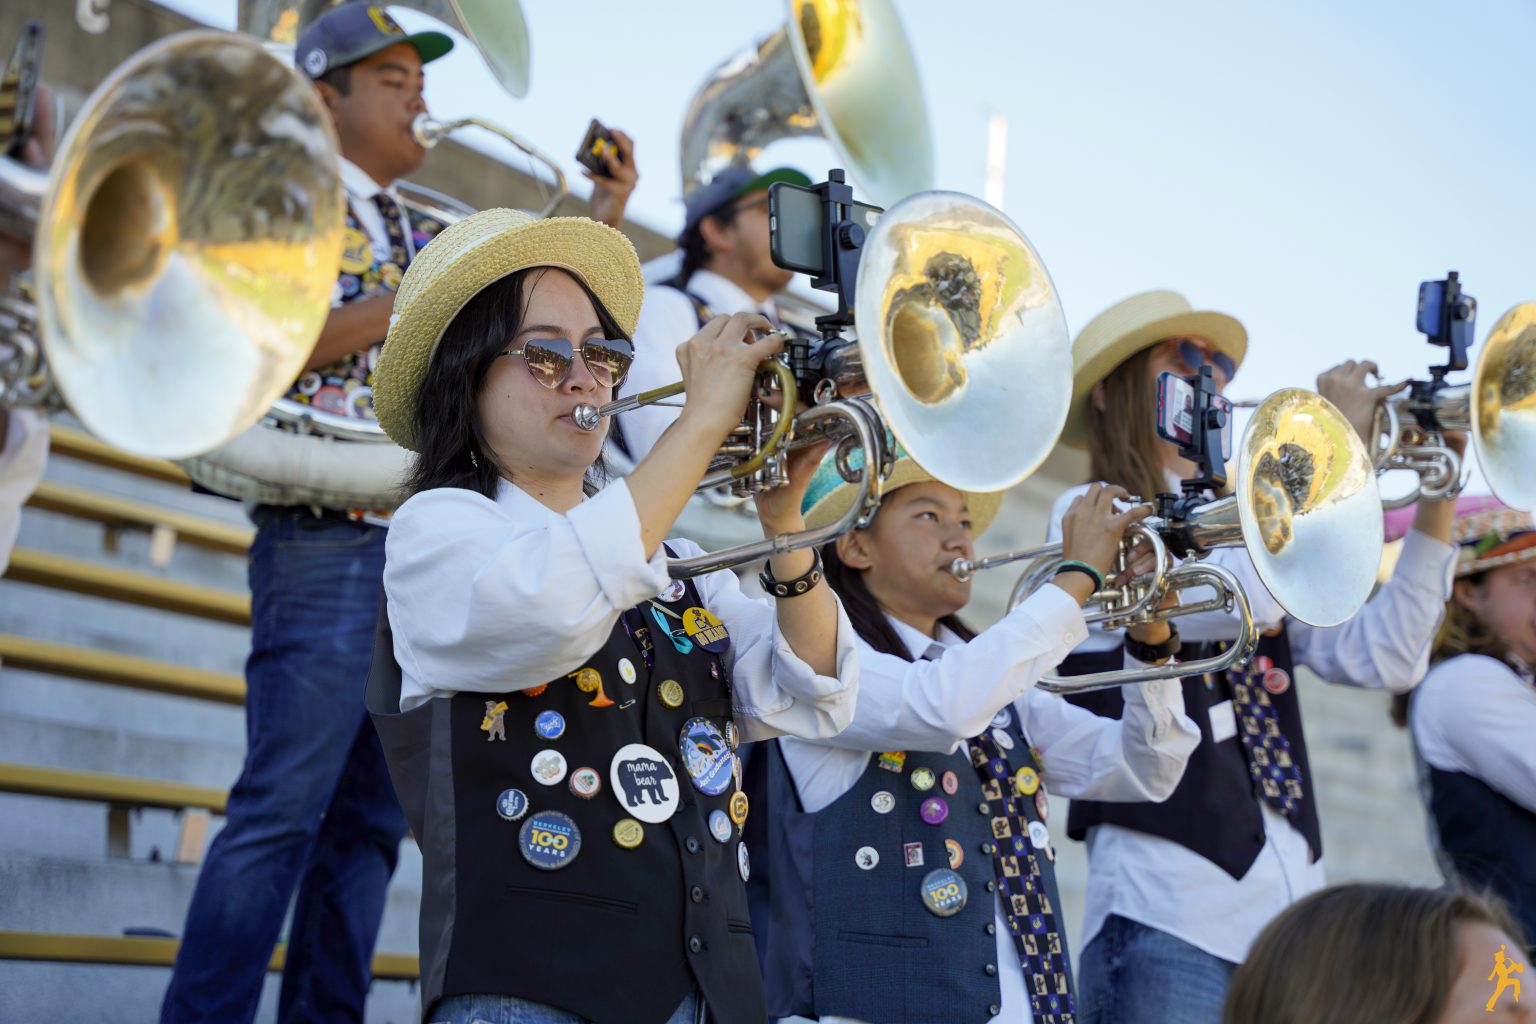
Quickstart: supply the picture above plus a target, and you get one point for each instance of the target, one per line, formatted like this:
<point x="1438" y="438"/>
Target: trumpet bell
<point x="1309" y="507"/>
<point x="187" y="245"/>
<point x="839" y="68"/>
<point x="963" y="340"/>
<point x="1504" y="407"/>
<point x="495" y="27"/>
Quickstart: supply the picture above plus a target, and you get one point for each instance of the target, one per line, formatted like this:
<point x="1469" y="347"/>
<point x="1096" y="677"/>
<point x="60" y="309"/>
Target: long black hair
<point x="864" y="611"/>
<point x="451" y="447"/>
<point x="695" y="249"/>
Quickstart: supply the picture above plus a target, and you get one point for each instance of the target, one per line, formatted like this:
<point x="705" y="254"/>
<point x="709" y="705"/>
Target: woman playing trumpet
<point x="567" y="717"/>
<point x="1177" y="891"/>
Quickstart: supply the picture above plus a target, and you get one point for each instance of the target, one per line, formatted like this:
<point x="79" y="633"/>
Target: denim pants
<point x="1133" y="974"/>
<point x="490" y="1009"/>
<point x="313" y="809"/>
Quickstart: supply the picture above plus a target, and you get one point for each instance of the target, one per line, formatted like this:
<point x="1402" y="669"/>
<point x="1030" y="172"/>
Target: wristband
<point x="1150" y="653"/>
<point x="1073" y="565"/>
<point x="792" y="588"/>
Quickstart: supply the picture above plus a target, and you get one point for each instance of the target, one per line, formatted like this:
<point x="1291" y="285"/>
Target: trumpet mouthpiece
<point x="586" y="416"/>
<point x="962" y="569"/>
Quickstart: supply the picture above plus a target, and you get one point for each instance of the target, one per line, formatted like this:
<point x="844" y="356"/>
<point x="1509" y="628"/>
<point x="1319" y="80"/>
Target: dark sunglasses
<point x="1194" y="357"/>
<point x="549" y="360"/>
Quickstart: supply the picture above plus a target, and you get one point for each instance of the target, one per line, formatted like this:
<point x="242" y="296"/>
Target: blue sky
<point x="1302" y="166"/>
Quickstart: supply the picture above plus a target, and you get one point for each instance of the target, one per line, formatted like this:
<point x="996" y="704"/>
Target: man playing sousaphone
<point x="313" y="809"/>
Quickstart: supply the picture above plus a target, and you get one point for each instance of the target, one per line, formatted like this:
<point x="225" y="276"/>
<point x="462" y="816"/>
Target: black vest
<point x="616" y="935"/>
<point x="1215" y="811"/>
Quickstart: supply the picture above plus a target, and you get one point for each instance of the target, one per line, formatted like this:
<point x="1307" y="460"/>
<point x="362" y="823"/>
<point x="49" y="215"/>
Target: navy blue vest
<point x="1215" y="811"/>
<point x="856" y="942"/>
<point x="618" y="935"/>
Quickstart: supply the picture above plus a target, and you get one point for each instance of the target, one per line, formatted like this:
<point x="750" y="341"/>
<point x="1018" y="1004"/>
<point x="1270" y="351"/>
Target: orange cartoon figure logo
<point x="1503" y="967"/>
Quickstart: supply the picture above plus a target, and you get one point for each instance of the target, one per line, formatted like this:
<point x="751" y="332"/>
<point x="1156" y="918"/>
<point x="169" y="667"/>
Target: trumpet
<point x="1305" y="503"/>
<point x="963" y="357"/>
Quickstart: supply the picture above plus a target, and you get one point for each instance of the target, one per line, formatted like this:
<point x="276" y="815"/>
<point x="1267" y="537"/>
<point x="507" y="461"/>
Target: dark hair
<point x="1360" y="954"/>
<point x="865" y="613"/>
<point x="695" y="249"/>
<point x="451" y="446"/>
<point x="339" y="79"/>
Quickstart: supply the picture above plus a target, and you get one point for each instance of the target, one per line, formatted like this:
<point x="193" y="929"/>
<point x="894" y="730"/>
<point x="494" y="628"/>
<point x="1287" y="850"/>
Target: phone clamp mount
<point x="1446" y="317"/>
<point x="1209" y="422"/>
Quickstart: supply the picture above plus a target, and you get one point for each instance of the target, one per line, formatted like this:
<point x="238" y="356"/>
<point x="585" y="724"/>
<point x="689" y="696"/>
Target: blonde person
<point x="1474" y="715"/>
<point x="1177" y="891"/>
<point x="563" y="723"/>
<point x="912" y="873"/>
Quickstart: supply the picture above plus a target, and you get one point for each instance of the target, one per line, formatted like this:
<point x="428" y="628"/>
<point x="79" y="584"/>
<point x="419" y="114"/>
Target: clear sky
<point x="1301" y="165"/>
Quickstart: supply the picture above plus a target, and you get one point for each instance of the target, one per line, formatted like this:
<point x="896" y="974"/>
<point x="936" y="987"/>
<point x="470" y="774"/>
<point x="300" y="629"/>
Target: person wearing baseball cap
<point x="1177" y="891"/>
<point x="1474" y="715"/>
<point x="313" y="811"/>
<point x="727" y="268"/>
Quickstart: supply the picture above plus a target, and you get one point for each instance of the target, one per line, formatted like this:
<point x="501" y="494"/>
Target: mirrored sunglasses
<point x="1194" y="357"/>
<point x="549" y="360"/>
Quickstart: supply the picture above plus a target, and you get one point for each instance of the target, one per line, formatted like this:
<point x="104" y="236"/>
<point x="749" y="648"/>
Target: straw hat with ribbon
<point x="829" y="496"/>
<point x="1129" y="326"/>
<point x="467" y="257"/>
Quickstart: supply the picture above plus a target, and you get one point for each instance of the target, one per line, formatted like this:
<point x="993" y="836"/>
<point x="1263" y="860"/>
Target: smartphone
<point x="796" y="226"/>
<point x="18" y="90"/>
<point x="1176" y="413"/>
<point x="598" y="143"/>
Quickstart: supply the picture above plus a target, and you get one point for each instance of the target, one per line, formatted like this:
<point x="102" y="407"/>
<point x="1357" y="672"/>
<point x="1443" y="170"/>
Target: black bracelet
<point x="795" y="587"/>
<point x="1073" y="565"/>
<point x="1150" y="653"/>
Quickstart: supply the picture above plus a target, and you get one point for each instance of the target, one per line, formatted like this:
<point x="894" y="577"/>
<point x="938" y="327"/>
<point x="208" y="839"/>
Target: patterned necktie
<point x="1021" y="866"/>
<point x="1270" y="764"/>
<point x="399" y="254"/>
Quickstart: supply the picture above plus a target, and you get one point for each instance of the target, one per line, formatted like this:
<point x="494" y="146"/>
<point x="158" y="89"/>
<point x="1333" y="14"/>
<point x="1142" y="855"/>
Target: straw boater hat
<point x="1129" y="326"/>
<point x="467" y="257"/>
<point x="829" y="495"/>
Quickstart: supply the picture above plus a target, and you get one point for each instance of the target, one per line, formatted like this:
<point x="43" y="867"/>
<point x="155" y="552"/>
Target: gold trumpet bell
<point x="1309" y="507"/>
<point x="187" y="246"/>
<point x="963" y="340"/>
<point x="1504" y="407"/>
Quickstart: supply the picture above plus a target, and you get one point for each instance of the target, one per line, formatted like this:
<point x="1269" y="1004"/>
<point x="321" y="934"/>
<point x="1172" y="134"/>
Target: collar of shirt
<point x="360" y="185"/>
<point x="918" y="644"/>
<point x="722" y="295"/>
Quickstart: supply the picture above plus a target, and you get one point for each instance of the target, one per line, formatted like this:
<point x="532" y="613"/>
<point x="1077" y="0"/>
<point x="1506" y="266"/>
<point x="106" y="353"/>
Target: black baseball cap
<point x="346" y="34"/>
<point x="730" y="185"/>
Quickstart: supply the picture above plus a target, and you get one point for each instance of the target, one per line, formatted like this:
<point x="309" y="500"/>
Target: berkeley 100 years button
<point x="943" y="892"/>
<point x="549" y="840"/>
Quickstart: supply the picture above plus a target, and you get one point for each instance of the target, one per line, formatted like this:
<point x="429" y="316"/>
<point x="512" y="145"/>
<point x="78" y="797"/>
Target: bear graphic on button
<point x="644" y="783"/>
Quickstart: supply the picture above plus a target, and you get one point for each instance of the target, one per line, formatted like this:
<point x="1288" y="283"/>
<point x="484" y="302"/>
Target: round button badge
<point x="628" y="833"/>
<point x="670" y="693"/>
<point x="1027" y="780"/>
<point x="626" y="670"/>
<point x="550" y="725"/>
<point x="743" y="865"/>
<point x="548" y="767"/>
<point x="922" y="779"/>
<point x="704" y="629"/>
<point x="950" y="783"/>
<point x="674" y="591"/>
<point x="1001" y="737"/>
<point x="738" y="807"/>
<point x="934" y="810"/>
<point x="586" y="783"/>
<point x="512" y="804"/>
<point x="1039" y="835"/>
<point x="944" y="892"/>
<point x="644" y="783"/>
<point x="706" y="756"/>
<point x="883" y="802"/>
<point x="1003" y="718"/>
<point x="866" y="858"/>
<point x="720" y="826"/>
<point x="549" y="840"/>
<point x="1042" y="805"/>
<point x="1277" y="681"/>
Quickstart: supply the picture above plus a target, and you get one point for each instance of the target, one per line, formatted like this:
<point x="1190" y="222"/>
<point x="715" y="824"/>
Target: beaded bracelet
<point x="1073" y="565"/>
<point x="795" y="587"/>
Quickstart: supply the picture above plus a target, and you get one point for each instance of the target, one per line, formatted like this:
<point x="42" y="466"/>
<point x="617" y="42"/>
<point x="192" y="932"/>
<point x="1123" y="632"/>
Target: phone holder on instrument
<point x="1446" y="317"/>
<point x="1209" y="422"/>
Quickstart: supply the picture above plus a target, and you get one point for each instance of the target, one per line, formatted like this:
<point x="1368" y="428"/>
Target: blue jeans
<point x="512" y="1010"/>
<point x="313" y="809"/>
<point x="1132" y="974"/>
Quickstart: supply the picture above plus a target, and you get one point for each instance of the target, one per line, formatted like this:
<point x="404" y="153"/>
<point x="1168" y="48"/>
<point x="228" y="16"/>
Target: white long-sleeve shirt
<point x="937" y="705"/>
<point x="22" y="461"/>
<point x="1166" y="886"/>
<point x="492" y="596"/>
<point x="1476" y="715"/>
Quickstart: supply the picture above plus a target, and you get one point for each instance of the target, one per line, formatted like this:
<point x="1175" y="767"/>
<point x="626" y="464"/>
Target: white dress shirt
<point x="22" y="461"/>
<point x="937" y="705"/>
<point x="1476" y="715"/>
<point x="361" y="188"/>
<point x="667" y="319"/>
<point x="491" y="596"/>
<point x="1164" y="885"/>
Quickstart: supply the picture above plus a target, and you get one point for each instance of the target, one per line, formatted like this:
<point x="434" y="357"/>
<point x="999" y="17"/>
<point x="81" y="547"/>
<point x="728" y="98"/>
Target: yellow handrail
<point x="27" y="654"/>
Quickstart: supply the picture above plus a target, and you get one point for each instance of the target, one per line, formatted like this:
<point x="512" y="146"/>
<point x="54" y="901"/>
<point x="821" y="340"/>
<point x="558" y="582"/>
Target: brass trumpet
<point x="1305" y="503"/>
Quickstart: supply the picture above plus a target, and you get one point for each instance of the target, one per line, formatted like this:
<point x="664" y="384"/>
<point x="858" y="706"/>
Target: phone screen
<point x="1176" y="412"/>
<point x="795" y="226"/>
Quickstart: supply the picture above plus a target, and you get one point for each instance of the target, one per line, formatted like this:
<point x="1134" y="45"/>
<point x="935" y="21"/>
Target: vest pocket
<point x="742" y="927"/>
<point x="586" y="899"/>
<point x="878" y="939"/>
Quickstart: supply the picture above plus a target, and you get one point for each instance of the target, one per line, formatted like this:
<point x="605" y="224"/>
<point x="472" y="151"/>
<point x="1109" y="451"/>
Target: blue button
<point x="706" y="756"/>
<point x="720" y="826"/>
<point x="944" y="892"/>
<point x="512" y="804"/>
<point x="549" y="840"/>
<point x="550" y="725"/>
